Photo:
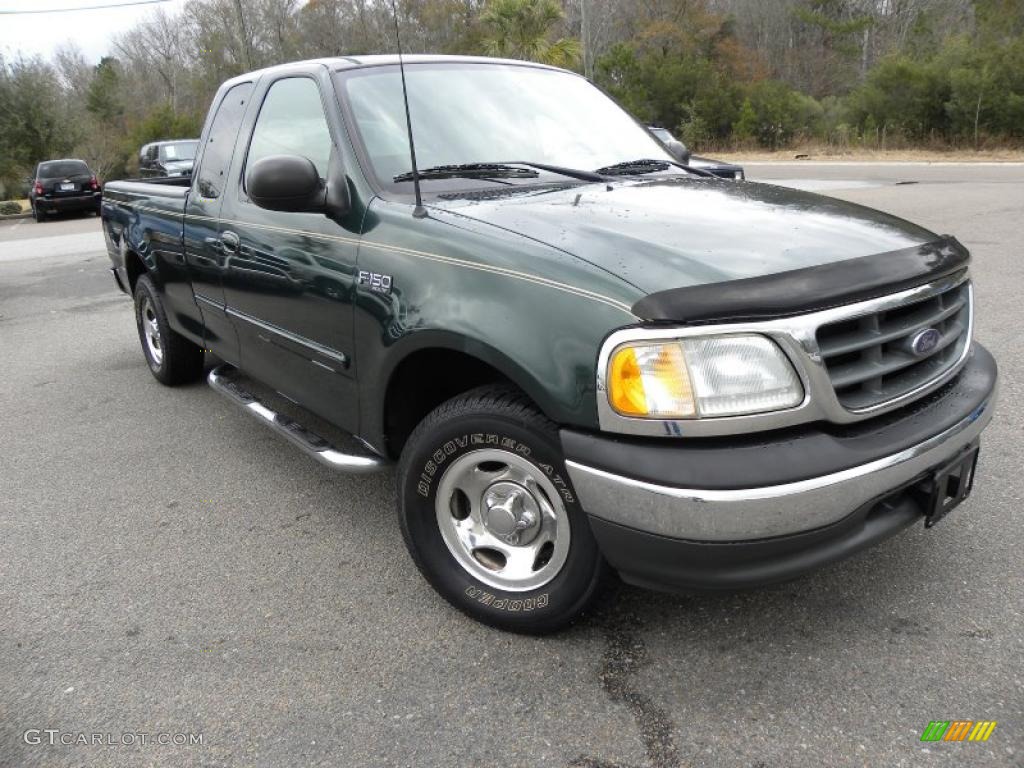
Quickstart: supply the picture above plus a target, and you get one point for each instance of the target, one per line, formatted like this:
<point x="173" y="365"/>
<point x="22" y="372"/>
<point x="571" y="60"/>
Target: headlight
<point x="702" y="377"/>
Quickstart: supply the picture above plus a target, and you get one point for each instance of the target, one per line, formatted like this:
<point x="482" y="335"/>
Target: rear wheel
<point x="490" y="516"/>
<point x="172" y="358"/>
<point x="37" y="214"/>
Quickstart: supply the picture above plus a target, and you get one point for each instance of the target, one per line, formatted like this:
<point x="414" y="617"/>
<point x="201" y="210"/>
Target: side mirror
<point x="292" y="183"/>
<point x="286" y="183"/>
<point x="678" y="150"/>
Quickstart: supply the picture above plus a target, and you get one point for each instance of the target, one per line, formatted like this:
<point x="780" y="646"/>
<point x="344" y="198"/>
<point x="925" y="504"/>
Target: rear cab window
<point x="220" y="144"/>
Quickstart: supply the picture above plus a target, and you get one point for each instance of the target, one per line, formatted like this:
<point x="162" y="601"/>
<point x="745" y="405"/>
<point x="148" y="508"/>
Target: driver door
<point x="290" y="276"/>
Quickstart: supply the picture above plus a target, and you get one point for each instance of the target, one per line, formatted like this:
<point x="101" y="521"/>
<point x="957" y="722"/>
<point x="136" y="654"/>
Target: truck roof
<point x="339" y="63"/>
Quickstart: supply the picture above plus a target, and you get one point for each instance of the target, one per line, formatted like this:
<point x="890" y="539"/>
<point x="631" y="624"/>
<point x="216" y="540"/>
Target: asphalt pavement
<point x="169" y="566"/>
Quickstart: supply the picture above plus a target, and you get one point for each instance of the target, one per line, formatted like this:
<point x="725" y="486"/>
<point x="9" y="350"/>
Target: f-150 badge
<point x="375" y="281"/>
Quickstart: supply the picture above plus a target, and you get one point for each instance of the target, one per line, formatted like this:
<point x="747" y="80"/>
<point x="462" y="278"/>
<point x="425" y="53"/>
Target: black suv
<point x="63" y="185"/>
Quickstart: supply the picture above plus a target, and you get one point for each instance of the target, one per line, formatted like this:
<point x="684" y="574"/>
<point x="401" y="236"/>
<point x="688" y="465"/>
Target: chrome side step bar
<point x="220" y="379"/>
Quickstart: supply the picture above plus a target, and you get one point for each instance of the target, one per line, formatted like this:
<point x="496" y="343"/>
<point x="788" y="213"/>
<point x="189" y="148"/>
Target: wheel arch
<point x="134" y="268"/>
<point x="432" y="367"/>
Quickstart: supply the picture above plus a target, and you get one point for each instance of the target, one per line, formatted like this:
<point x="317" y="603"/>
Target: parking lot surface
<point x="168" y="565"/>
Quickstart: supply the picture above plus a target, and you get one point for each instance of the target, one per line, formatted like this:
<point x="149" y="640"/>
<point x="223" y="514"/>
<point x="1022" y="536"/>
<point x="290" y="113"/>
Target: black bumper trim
<point x="658" y="562"/>
<point x="781" y="457"/>
<point x="63" y="204"/>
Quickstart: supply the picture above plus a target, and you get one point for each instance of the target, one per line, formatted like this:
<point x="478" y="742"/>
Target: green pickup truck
<point x="584" y="357"/>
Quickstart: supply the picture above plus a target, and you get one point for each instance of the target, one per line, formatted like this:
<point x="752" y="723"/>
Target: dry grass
<point x="874" y="155"/>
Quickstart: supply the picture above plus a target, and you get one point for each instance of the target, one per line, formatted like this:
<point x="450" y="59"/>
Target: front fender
<point x="534" y="313"/>
<point x="373" y="398"/>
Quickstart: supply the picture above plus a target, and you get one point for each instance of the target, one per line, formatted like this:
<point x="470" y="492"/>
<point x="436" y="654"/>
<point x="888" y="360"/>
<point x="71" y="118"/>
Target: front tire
<point x="172" y="358"/>
<point x="490" y="516"/>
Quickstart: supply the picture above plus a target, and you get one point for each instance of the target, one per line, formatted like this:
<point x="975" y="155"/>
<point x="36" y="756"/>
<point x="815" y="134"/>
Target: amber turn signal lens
<point x="625" y="386"/>
<point x="650" y="380"/>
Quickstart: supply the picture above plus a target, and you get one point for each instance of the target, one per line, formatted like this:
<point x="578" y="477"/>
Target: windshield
<point x="62" y="169"/>
<point x="485" y="113"/>
<point x="180" y="150"/>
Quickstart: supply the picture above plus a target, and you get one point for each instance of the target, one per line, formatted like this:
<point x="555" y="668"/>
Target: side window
<point x="220" y="144"/>
<point x="292" y="122"/>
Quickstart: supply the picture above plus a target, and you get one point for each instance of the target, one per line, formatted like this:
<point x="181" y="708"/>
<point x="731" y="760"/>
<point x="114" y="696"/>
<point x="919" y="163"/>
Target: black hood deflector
<point x="808" y="289"/>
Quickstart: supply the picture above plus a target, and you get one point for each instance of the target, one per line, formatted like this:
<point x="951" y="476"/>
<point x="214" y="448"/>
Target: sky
<point x="91" y="30"/>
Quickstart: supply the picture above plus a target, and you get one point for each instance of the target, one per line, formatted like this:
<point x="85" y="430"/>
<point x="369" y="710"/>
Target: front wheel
<point x="490" y="515"/>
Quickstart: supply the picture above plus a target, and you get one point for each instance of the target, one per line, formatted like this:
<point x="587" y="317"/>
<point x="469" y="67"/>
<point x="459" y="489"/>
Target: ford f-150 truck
<point x="583" y="357"/>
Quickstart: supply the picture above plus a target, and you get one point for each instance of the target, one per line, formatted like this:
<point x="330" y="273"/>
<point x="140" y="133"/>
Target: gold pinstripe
<point x="450" y="260"/>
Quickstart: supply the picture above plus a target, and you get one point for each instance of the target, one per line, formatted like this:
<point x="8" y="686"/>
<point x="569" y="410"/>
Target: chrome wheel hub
<point x="502" y="520"/>
<point x="151" y="331"/>
<point x="511" y="513"/>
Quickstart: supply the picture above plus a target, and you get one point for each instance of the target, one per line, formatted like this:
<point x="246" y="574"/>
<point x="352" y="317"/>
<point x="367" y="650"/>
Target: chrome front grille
<point x="870" y="359"/>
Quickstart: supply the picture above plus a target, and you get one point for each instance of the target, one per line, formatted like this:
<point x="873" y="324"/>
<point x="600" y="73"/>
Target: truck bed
<point x="145" y="217"/>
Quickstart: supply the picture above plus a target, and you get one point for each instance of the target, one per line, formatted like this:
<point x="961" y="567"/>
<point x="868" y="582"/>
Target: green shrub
<point x="902" y="95"/>
<point x="775" y="114"/>
<point x="745" y="127"/>
<point x="9" y="207"/>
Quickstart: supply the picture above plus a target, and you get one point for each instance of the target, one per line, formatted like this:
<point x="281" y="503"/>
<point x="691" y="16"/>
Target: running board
<point x="220" y="379"/>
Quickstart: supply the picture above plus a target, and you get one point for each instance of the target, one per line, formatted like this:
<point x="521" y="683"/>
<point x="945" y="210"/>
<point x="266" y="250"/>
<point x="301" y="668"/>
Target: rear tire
<point x="38" y="215"/>
<point x="172" y="358"/>
<point x="490" y="516"/>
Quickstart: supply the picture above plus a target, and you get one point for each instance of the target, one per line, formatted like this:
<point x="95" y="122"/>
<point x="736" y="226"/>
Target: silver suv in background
<point x="716" y="167"/>
<point x="168" y="158"/>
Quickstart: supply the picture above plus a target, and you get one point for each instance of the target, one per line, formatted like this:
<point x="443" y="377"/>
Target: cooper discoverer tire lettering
<point x="490" y="516"/>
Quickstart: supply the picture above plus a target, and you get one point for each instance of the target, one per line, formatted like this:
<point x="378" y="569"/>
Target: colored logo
<point x="925" y="342"/>
<point x="958" y="730"/>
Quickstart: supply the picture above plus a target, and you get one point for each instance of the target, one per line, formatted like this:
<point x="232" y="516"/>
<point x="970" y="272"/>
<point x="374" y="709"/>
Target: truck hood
<point x="678" y="232"/>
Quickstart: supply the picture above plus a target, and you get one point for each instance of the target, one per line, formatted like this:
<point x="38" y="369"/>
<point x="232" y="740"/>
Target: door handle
<point x="229" y="241"/>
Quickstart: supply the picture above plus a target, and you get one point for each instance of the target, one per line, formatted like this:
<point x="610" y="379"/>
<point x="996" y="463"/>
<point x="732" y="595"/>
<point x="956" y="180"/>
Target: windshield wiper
<point x="509" y="169"/>
<point x="471" y="171"/>
<point x="647" y="165"/>
<point x="573" y="173"/>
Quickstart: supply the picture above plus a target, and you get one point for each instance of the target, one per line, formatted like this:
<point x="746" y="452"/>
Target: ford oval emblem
<point x="924" y="342"/>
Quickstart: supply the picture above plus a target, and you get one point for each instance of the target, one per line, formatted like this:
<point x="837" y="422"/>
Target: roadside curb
<point x="907" y="163"/>
<point x="25" y="215"/>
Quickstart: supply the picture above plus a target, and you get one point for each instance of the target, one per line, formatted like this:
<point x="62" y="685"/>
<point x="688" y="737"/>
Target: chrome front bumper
<point x="763" y="512"/>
